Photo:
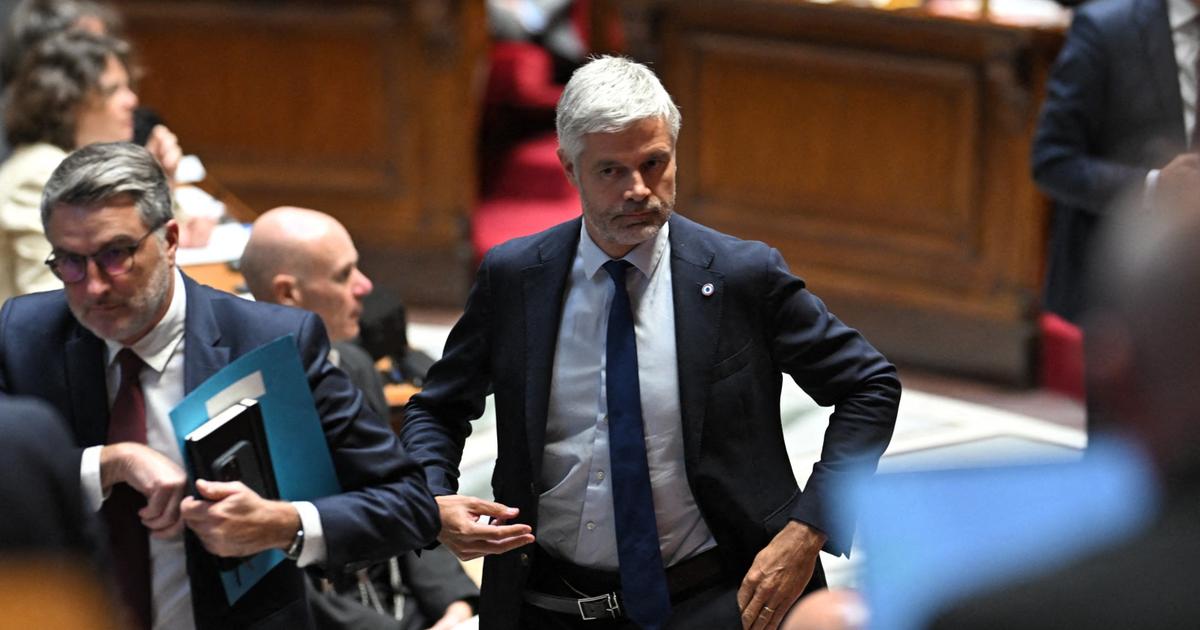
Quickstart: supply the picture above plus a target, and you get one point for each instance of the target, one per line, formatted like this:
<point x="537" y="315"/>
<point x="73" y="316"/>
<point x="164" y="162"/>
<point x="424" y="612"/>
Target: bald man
<point x="304" y="258"/>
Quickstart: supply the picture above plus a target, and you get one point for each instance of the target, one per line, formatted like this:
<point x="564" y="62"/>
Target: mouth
<point x="638" y="216"/>
<point x="103" y="308"/>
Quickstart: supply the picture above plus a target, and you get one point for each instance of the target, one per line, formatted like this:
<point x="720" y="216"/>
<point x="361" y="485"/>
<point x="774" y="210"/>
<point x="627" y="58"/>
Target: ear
<point x="171" y="238"/>
<point x="286" y="290"/>
<point x="568" y="167"/>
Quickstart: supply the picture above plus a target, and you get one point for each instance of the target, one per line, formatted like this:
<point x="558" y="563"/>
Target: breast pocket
<point x="731" y="364"/>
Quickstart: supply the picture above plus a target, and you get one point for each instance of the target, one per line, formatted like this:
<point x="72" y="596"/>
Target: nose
<point x="362" y="285"/>
<point x="131" y="98"/>
<point x="96" y="282"/>
<point x="638" y="190"/>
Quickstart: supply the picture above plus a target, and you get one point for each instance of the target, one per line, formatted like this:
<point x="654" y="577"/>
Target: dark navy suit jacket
<point x="386" y="508"/>
<point x="733" y="347"/>
<point x="1112" y="113"/>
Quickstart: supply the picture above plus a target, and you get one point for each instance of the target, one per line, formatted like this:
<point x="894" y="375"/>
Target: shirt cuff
<point x="314" y="537"/>
<point x="1150" y="188"/>
<point x="89" y="477"/>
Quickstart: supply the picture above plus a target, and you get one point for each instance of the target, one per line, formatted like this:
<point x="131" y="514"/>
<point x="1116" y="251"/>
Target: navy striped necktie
<point x="643" y="579"/>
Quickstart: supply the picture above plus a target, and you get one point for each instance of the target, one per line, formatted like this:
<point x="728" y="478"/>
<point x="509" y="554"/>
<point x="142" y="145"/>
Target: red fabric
<point x="1062" y="356"/>
<point x="499" y="220"/>
<point x="521" y="75"/>
<point x="531" y="170"/>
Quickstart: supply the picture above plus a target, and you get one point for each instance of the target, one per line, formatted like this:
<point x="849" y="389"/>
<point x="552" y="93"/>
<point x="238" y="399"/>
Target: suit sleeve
<point x="437" y="420"/>
<point x="385" y="508"/>
<point x="1067" y="161"/>
<point x="835" y="365"/>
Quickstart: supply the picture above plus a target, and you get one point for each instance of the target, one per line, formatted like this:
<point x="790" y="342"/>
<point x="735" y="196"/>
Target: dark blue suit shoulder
<point x="37" y="315"/>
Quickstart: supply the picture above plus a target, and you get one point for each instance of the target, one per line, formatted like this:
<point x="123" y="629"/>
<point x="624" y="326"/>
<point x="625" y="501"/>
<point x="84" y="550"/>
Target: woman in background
<point x="70" y="90"/>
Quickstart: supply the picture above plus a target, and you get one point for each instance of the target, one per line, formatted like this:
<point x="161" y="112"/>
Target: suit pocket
<point x="731" y="364"/>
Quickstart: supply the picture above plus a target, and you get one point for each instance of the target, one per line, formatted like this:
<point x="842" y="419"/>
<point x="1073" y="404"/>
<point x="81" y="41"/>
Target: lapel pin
<point x="707" y="289"/>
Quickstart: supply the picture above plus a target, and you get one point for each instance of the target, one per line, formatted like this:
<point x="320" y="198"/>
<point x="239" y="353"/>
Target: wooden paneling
<point x="885" y="155"/>
<point x="366" y="110"/>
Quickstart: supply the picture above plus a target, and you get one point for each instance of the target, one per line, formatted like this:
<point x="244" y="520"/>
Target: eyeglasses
<point x="114" y="260"/>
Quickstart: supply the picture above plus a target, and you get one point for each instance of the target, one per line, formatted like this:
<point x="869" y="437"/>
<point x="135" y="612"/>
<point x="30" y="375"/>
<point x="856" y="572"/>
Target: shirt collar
<point x="1181" y="13"/>
<point x="156" y="348"/>
<point x="645" y="256"/>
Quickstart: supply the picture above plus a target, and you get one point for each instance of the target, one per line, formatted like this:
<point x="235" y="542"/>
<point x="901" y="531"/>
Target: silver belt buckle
<point x="599" y="607"/>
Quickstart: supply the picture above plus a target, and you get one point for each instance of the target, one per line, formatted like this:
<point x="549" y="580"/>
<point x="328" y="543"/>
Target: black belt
<point x="683" y="578"/>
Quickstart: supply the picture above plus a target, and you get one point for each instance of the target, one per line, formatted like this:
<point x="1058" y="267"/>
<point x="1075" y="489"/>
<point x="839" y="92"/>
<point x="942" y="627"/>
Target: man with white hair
<point x="636" y="359"/>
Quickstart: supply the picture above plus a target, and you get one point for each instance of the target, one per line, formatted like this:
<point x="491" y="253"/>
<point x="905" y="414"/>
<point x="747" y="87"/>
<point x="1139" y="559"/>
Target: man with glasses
<point x="123" y="342"/>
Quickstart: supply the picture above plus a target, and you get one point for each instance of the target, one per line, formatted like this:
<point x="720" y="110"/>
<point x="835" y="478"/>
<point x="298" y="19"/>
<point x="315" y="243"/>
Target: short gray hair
<point x="105" y="171"/>
<point x="607" y="95"/>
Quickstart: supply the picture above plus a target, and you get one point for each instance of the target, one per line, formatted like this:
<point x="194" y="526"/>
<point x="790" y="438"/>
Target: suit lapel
<point x="87" y="382"/>
<point x="697" y="326"/>
<point x="1154" y="28"/>
<point x="543" y="285"/>
<point x="202" y="354"/>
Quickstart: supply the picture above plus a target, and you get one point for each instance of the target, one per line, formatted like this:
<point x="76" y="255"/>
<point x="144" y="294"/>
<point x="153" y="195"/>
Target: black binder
<point x="232" y="446"/>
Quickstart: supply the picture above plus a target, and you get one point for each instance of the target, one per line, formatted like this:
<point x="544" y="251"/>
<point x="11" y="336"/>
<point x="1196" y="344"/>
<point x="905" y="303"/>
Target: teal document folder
<point x="300" y="456"/>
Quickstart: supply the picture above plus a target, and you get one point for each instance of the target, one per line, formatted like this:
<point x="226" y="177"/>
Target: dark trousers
<point x="712" y="603"/>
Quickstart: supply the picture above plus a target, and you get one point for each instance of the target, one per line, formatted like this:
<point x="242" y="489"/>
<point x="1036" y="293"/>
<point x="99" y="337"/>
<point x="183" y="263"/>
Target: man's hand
<point x="778" y="576"/>
<point x="234" y="521"/>
<point x="456" y="613"/>
<point x="153" y="475"/>
<point x="467" y="538"/>
<point x="1178" y="185"/>
<point x="164" y="146"/>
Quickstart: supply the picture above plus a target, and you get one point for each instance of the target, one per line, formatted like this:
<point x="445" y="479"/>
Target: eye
<point x="609" y="172"/>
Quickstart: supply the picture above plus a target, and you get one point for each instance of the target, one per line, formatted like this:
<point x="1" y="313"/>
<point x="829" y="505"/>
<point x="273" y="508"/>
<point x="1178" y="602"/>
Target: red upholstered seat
<point x="522" y="76"/>
<point x="1062" y="356"/>
<point x="499" y="220"/>
<point x="523" y="187"/>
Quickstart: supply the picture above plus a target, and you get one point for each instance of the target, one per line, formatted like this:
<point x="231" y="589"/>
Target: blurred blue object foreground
<point x="931" y="537"/>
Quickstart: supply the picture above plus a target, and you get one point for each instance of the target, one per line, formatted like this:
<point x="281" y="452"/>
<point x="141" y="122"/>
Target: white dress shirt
<point x="575" y="511"/>
<point x="162" y="350"/>
<point x="1185" y="34"/>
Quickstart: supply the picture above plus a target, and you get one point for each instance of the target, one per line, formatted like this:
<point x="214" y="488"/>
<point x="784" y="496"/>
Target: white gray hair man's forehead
<point x="609" y="94"/>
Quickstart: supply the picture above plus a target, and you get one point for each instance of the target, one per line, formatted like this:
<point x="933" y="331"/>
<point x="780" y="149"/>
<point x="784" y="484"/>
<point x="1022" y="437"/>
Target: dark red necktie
<point x="128" y="538"/>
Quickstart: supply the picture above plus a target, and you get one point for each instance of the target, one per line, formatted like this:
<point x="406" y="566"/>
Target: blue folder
<point x="300" y="456"/>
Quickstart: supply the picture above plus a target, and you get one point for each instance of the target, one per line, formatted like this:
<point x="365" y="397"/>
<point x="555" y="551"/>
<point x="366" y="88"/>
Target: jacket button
<point x="524" y="559"/>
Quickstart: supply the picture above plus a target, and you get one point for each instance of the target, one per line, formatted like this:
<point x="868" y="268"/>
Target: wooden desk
<point x="216" y="275"/>
<point x="885" y="154"/>
<point x="365" y="109"/>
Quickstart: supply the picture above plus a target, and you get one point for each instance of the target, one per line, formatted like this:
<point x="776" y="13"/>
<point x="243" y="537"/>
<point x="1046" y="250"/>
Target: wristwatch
<point x="297" y="547"/>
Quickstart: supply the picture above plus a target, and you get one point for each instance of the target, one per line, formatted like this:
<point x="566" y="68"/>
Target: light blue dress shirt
<point x="575" y="511"/>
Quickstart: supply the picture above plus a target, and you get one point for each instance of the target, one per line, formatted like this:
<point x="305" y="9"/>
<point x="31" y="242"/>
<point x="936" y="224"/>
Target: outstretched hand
<point x="468" y="538"/>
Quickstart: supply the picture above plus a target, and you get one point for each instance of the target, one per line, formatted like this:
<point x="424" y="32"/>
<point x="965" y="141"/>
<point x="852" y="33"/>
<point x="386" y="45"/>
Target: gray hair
<point x="105" y="171"/>
<point x="607" y="95"/>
